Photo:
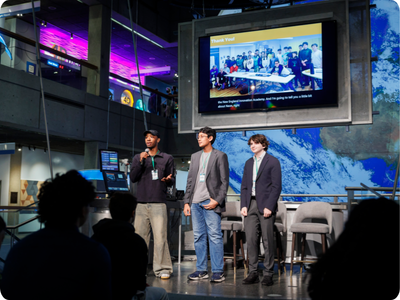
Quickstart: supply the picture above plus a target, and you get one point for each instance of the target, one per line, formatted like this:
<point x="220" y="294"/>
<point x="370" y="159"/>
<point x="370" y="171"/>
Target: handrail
<point x="357" y="188"/>
<point x="28" y="206"/>
<point x="319" y="195"/>
<point x="23" y="223"/>
<point x="18" y="208"/>
<point x="13" y="236"/>
<point x="116" y="76"/>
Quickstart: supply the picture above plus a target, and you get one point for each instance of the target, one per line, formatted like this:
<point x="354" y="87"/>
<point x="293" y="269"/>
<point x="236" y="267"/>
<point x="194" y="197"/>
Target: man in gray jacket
<point x="206" y="189"/>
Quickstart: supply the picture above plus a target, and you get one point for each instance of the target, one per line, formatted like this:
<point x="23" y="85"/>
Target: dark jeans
<point x="256" y="225"/>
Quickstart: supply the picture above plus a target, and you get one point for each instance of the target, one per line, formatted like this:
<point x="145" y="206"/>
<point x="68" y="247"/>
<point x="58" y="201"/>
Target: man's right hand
<point x="186" y="210"/>
<point x="244" y="211"/>
<point x="143" y="156"/>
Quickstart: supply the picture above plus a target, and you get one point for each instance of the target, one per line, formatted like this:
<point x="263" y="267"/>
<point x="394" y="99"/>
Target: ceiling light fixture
<point x="72" y="36"/>
<point x="137" y="33"/>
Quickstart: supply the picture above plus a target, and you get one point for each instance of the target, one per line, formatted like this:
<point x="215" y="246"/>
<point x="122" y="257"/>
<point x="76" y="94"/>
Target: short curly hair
<point x="61" y="200"/>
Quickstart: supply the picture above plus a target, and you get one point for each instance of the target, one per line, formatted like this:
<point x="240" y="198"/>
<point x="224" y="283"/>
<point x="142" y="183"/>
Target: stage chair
<point x="280" y="226"/>
<point x="232" y="220"/>
<point x="310" y="210"/>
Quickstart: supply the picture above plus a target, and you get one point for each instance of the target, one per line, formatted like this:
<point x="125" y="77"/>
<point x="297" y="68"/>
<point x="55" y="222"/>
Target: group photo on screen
<point x="290" y="64"/>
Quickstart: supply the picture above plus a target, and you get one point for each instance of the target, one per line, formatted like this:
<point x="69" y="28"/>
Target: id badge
<point x="202" y="178"/>
<point x="154" y="174"/>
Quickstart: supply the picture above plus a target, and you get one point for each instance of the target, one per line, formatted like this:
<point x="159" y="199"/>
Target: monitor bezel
<point x="327" y="97"/>
<point x="100" y="160"/>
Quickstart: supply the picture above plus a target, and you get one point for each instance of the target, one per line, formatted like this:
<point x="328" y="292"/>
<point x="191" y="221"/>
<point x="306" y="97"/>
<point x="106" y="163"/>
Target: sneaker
<point x="218" y="277"/>
<point x="165" y="275"/>
<point x="198" y="275"/>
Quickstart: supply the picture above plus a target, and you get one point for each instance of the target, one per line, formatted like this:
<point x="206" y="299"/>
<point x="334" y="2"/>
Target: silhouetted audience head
<point x="364" y="262"/>
<point x="64" y="201"/>
<point x="122" y="206"/>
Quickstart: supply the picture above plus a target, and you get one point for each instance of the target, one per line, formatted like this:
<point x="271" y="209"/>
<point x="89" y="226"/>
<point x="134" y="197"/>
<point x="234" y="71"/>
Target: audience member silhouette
<point x="364" y="262"/>
<point x="58" y="262"/>
<point x="128" y="251"/>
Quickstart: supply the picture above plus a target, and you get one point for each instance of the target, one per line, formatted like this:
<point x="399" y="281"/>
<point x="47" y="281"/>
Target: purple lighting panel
<point x="58" y="39"/>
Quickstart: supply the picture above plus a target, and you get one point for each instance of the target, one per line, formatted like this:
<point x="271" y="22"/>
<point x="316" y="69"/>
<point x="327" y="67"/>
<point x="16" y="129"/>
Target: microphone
<point x="147" y="150"/>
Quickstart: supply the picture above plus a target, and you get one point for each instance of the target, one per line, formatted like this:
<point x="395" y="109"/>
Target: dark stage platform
<point x="180" y="287"/>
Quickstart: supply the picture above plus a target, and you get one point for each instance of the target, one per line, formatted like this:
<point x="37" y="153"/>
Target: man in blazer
<point x="206" y="189"/>
<point x="261" y="187"/>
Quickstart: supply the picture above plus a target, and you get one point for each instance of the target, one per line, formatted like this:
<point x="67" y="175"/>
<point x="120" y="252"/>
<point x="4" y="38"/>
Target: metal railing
<point x="351" y="195"/>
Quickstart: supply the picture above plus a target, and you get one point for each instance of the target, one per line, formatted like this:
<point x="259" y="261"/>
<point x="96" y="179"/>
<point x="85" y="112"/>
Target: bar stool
<point x="310" y="210"/>
<point x="280" y="227"/>
<point x="236" y="226"/>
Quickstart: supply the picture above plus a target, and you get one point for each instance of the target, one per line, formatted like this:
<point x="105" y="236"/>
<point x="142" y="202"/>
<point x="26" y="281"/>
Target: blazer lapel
<point x="263" y="164"/>
<point x="211" y="161"/>
<point x="196" y="163"/>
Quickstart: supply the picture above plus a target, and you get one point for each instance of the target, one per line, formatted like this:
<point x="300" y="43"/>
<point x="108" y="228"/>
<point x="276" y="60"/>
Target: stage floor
<point x="180" y="287"/>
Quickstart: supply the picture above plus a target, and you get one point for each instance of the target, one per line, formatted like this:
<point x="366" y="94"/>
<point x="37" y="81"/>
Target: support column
<point x="99" y="40"/>
<point x="91" y="156"/>
<point x="15" y="176"/>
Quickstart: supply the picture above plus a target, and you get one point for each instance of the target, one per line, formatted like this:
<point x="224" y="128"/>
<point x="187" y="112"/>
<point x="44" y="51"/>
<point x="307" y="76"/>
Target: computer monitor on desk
<point x="115" y="181"/>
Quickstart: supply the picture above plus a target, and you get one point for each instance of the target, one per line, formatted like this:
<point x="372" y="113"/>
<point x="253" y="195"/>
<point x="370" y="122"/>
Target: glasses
<point x="201" y="136"/>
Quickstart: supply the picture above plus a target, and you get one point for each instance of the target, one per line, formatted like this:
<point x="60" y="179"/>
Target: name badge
<point x="154" y="174"/>
<point x="202" y="177"/>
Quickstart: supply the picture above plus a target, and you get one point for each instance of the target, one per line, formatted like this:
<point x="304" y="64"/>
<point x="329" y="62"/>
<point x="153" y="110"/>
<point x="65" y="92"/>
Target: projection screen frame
<point x="189" y="118"/>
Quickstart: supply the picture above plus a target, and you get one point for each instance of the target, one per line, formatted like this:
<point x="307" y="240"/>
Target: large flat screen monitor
<point x="115" y="181"/>
<point x="109" y="160"/>
<point x="287" y="67"/>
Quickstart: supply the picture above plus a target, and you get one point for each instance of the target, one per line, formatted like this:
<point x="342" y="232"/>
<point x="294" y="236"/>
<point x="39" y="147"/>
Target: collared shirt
<point x="149" y="190"/>
<point x="256" y="168"/>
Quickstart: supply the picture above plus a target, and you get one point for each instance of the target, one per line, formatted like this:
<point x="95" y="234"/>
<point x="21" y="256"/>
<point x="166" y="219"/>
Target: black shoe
<point x="252" y="278"/>
<point x="267" y="280"/>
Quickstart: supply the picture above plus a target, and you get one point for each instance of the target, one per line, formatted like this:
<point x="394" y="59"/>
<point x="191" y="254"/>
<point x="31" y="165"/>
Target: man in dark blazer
<point x="261" y="187"/>
<point x="206" y="189"/>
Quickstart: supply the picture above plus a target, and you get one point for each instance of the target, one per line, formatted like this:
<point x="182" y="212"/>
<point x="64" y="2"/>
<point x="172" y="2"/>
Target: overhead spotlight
<point x="44" y="150"/>
<point x="188" y="161"/>
<point x="252" y="87"/>
<point x="19" y="148"/>
<point x="72" y="36"/>
<point x="176" y="75"/>
<point x="42" y="23"/>
<point x="183" y="161"/>
<point x="45" y="24"/>
<point x="29" y="147"/>
<point x="34" y="148"/>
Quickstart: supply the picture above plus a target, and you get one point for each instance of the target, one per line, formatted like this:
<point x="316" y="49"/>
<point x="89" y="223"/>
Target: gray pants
<point x="154" y="216"/>
<point x="255" y="224"/>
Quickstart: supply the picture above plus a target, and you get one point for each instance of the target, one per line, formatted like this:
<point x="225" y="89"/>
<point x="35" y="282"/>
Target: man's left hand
<point x="267" y="213"/>
<point x="167" y="179"/>
<point x="213" y="204"/>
